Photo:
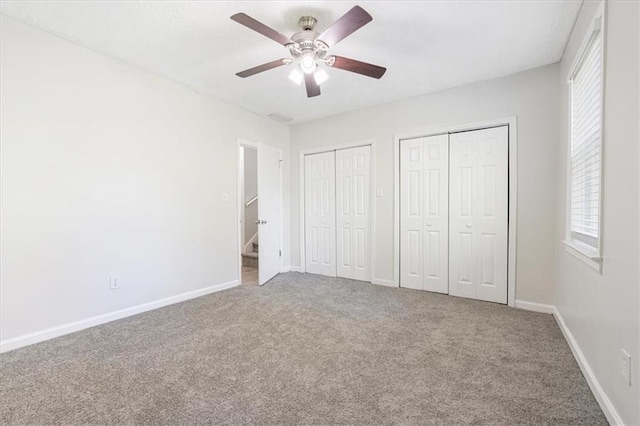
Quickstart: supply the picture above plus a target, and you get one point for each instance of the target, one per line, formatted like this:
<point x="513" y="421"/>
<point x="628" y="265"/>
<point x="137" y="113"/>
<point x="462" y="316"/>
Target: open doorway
<point x="249" y="215"/>
<point x="259" y="212"/>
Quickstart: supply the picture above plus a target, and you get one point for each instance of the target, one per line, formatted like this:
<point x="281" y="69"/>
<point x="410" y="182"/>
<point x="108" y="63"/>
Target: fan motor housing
<point x="307" y="22"/>
<point x="305" y="42"/>
<point x="304" y="37"/>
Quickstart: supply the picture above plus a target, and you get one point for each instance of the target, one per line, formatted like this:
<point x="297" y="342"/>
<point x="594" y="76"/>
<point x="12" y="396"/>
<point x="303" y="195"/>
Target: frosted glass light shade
<point x="321" y="76"/>
<point x="296" y="76"/>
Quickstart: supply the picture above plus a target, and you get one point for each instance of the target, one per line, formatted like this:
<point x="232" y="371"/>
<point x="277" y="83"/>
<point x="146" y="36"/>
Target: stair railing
<point x="251" y="201"/>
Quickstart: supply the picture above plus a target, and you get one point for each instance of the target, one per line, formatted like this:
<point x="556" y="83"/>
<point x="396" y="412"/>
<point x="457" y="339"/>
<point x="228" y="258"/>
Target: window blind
<point x="586" y="124"/>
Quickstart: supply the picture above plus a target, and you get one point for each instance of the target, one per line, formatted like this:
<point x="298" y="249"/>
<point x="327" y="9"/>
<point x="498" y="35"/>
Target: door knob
<point x="429" y="223"/>
<point x="258" y="222"/>
<point x="261" y="222"/>
<point x="468" y="225"/>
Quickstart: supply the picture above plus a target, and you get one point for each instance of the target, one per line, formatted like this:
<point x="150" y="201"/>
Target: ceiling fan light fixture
<point x="296" y="76"/>
<point x="309" y="49"/>
<point x="320" y="75"/>
<point x="307" y="63"/>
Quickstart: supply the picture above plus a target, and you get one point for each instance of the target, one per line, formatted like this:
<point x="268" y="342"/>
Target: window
<point x="585" y="148"/>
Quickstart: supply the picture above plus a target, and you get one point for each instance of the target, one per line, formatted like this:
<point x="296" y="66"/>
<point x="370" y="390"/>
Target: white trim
<point x="281" y="155"/>
<point x="386" y="283"/>
<point x="534" y="306"/>
<point x="513" y="190"/>
<point x="373" y="216"/>
<point x="372" y="227"/>
<point x="513" y="209"/>
<point x="586" y="254"/>
<point x="303" y="253"/>
<point x="286" y="269"/>
<point x="50" y="333"/>
<point x="241" y="210"/>
<point x="603" y="400"/>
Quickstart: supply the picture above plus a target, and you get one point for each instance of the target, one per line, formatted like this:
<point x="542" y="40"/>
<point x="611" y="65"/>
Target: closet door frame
<point x="372" y="233"/>
<point x="511" y="122"/>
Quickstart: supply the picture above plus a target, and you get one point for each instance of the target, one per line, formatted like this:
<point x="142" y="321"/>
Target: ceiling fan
<point x="309" y="49"/>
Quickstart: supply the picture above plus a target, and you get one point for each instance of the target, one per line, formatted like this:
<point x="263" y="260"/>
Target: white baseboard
<point x="50" y="333"/>
<point x="386" y="283"/>
<point x="535" y="307"/>
<point x="605" y="403"/>
<point x="292" y="269"/>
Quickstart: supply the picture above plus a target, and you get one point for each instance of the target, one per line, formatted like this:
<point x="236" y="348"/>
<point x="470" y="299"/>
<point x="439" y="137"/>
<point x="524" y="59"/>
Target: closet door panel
<point x="320" y="215"/>
<point x="492" y="223"/>
<point x="436" y="214"/>
<point x="344" y="213"/>
<point x="362" y="213"/>
<point x="462" y="172"/>
<point x="478" y="226"/>
<point x="353" y="212"/>
<point x="411" y="213"/>
<point x="424" y="214"/>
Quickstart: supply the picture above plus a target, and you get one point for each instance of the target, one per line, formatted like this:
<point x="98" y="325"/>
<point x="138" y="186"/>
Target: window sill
<point x="584" y="253"/>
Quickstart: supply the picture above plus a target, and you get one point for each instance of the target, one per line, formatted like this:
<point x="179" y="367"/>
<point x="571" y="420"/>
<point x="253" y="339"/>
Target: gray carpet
<point x="305" y="350"/>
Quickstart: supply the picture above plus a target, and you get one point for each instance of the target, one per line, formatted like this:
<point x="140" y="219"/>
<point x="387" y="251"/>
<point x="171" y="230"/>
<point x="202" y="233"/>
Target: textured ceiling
<point x="426" y="46"/>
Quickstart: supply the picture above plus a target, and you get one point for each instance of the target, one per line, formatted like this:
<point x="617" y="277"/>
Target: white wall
<point x="532" y="96"/>
<point x="108" y="169"/>
<point x="601" y="311"/>
<point x="250" y="168"/>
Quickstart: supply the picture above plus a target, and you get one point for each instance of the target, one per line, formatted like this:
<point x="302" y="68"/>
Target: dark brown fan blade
<point x="263" y="67"/>
<point x="358" y="67"/>
<point x="312" y="87"/>
<point x="249" y="22"/>
<point x="349" y="23"/>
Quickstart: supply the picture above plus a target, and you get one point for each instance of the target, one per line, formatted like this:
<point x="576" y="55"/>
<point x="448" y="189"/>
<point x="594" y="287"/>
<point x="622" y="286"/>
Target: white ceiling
<point x="425" y="46"/>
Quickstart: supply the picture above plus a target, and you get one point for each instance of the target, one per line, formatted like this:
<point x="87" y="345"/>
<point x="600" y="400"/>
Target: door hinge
<point x="279" y="164"/>
<point x="280" y="253"/>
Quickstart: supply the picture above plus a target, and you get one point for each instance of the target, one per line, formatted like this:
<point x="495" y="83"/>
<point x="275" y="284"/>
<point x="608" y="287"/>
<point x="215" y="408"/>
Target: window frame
<point x="583" y="251"/>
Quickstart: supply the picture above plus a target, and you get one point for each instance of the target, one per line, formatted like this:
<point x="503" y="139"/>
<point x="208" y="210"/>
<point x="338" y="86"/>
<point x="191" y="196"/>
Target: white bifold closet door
<point x="478" y="202"/>
<point x="424" y="214"/>
<point x="353" y="171"/>
<point x="320" y="213"/>
<point x="337" y="203"/>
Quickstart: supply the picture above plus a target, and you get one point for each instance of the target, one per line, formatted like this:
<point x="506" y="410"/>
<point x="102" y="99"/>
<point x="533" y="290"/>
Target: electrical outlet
<point x="626" y="367"/>
<point x="114" y="282"/>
